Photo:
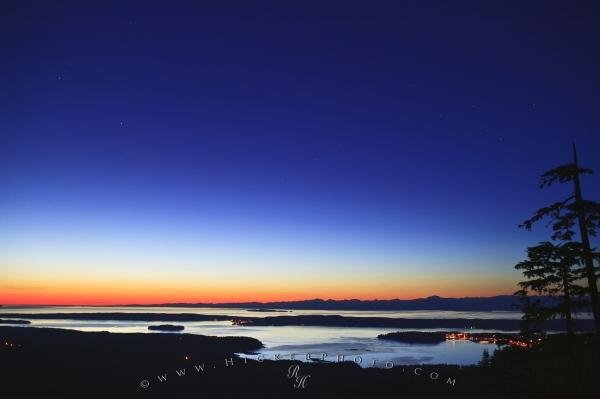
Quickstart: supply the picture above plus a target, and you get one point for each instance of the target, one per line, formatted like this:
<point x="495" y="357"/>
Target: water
<point x="369" y="352"/>
<point x="354" y="343"/>
<point x="285" y="340"/>
<point x="243" y="312"/>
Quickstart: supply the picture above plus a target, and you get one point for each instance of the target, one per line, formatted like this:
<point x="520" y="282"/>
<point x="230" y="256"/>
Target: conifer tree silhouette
<point x="573" y="221"/>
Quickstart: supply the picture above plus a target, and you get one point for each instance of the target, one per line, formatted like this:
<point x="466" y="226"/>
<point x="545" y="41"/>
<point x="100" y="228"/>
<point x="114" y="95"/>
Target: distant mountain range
<point x="500" y="302"/>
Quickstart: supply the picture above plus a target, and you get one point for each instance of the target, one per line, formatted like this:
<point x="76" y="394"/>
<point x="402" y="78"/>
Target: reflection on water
<point x="285" y="340"/>
<point x="241" y="312"/>
<point x="372" y="352"/>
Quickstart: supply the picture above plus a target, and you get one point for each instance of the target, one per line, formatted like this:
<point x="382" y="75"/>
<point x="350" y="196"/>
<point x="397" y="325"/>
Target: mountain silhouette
<point x="433" y="302"/>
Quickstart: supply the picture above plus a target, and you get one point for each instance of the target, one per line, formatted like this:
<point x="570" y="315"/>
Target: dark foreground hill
<point x="40" y="362"/>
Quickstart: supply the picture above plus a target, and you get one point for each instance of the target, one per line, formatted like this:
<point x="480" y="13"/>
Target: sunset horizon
<point x="265" y="300"/>
<point x="300" y="199"/>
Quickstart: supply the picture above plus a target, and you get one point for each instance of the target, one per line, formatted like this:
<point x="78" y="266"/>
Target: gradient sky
<point x="232" y="151"/>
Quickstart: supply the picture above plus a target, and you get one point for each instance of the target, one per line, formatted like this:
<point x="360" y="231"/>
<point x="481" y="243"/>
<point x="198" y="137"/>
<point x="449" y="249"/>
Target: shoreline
<point x="157" y="365"/>
<point x="69" y="363"/>
<point x="307" y="320"/>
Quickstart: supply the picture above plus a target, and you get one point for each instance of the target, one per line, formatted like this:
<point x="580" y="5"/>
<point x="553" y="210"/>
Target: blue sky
<point x="398" y="145"/>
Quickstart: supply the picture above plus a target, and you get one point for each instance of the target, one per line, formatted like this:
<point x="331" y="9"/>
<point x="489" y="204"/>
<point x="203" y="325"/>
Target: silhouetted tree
<point x="551" y="272"/>
<point x="533" y="315"/>
<point x="485" y="359"/>
<point x="570" y="214"/>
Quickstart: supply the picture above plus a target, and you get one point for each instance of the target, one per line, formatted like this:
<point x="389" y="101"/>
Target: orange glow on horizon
<point x="81" y="288"/>
<point x="83" y="296"/>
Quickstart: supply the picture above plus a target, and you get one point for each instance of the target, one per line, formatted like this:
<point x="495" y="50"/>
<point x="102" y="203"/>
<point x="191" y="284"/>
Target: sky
<point x="240" y="151"/>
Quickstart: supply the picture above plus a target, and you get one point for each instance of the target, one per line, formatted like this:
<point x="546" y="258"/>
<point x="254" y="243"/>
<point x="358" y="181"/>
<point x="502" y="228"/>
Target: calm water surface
<point x="300" y="340"/>
<point x="240" y="312"/>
